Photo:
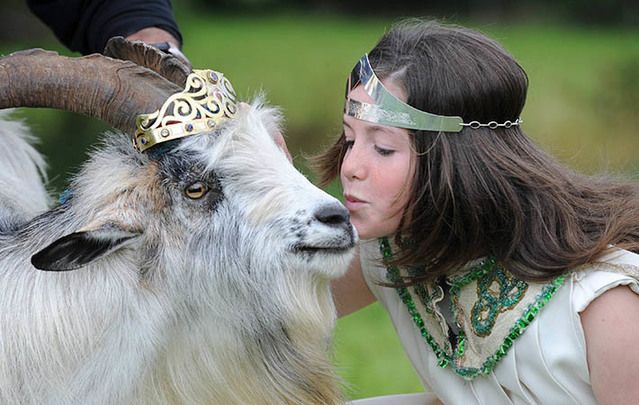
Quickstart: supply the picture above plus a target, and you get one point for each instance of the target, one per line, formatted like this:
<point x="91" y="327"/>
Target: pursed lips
<point x="351" y="202"/>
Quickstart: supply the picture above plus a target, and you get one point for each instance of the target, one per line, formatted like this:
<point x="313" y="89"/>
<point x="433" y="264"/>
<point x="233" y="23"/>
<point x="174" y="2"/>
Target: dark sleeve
<point x="87" y="25"/>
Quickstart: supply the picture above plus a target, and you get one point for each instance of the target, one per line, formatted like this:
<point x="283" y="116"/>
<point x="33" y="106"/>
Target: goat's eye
<point x="196" y="190"/>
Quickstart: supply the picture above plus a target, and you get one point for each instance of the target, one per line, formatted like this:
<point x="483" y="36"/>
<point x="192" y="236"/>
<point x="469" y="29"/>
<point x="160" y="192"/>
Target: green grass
<point x="583" y="102"/>
<point x="300" y="62"/>
<point x="583" y="106"/>
<point x="578" y="106"/>
<point x="369" y="356"/>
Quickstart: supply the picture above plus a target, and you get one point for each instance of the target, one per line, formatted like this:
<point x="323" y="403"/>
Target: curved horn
<point x="111" y="90"/>
<point x="166" y="65"/>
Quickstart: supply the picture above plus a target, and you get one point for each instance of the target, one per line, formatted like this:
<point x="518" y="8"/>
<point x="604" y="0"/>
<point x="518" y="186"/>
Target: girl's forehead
<point x="359" y="94"/>
<point x="375" y="132"/>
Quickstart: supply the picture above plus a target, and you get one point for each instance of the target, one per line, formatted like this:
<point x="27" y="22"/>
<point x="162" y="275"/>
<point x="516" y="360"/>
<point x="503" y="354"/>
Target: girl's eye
<point x="384" y="152"/>
<point x="348" y="143"/>
<point x="196" y="190"/>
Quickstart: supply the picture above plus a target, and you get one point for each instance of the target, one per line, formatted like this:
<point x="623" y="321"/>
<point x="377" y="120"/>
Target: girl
<point x="508" y="277"/>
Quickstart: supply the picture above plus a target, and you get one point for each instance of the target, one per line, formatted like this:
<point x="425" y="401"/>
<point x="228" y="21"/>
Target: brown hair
<point x="484" y="192"/>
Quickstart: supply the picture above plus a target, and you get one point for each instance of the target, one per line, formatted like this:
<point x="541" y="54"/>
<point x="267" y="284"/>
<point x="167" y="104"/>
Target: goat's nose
<point x="332" y="214"/>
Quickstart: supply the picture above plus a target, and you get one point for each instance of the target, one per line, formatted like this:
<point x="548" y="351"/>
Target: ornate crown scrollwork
<point x="207" y="100"/>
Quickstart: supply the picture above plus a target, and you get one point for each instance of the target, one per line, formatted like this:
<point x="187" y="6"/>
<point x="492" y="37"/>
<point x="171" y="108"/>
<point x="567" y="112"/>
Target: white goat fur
<point x="210" y="303"/>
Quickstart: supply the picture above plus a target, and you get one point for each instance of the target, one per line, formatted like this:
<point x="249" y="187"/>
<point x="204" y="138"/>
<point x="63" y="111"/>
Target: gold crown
<point x="208" y="99"/>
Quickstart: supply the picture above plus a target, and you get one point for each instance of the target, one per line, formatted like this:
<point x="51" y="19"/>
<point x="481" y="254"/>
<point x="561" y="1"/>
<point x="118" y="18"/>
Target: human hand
<point x="162" y="40"/>
<point x="152" y="35"/>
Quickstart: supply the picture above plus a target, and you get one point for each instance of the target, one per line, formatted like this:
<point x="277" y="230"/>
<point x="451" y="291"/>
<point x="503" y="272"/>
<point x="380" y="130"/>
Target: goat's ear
<point x="81" y="248"/>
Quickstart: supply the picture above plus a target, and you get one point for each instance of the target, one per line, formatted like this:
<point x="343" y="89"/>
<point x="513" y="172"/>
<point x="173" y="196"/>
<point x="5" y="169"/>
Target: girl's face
<point x="376" y="172"/>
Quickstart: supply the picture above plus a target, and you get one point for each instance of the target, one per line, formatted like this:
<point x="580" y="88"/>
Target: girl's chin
<point x="368" y="228"/>
<point x="365" y="233"/>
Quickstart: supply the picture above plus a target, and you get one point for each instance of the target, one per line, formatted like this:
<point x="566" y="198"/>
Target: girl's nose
<point x="354" y="164"/>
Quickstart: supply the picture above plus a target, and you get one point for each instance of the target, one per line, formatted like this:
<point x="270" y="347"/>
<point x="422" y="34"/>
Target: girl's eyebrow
<point x="378" y="128"/>
<point x="371" y="128"/>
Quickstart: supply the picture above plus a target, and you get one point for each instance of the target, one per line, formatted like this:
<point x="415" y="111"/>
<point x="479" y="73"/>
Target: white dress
<point x="540" y="359"/>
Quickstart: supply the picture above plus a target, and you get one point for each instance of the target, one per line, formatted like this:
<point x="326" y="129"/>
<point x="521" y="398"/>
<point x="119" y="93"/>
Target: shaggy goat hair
<point x="199" y="274"/>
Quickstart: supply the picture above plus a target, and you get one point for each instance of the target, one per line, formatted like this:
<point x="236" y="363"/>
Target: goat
<point x="200" y="274"/>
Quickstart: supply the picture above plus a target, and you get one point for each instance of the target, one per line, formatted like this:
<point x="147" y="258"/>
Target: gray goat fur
<point x="220" y="300"/>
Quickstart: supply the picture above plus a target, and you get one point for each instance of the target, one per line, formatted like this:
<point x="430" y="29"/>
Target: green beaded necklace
<point x="482" y="326"/>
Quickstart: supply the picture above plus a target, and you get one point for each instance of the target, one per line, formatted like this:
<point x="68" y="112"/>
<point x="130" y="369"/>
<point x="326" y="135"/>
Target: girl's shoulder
<point x="610" y="322"/>
<point x="617" y="267"/>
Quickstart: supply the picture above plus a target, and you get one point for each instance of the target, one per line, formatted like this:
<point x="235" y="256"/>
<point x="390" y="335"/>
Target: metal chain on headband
<point x="492" y="124"/>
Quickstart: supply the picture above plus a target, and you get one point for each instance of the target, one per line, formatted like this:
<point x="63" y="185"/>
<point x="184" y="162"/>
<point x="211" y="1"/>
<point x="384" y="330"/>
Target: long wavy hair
<point x="484" y="192"/>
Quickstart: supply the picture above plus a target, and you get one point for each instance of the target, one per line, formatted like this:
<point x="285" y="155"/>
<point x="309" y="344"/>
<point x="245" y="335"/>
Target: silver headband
<point x="391" y="111"/>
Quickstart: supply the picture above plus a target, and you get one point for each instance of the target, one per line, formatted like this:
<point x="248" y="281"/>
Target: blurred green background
<point x="582" y="59"/>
